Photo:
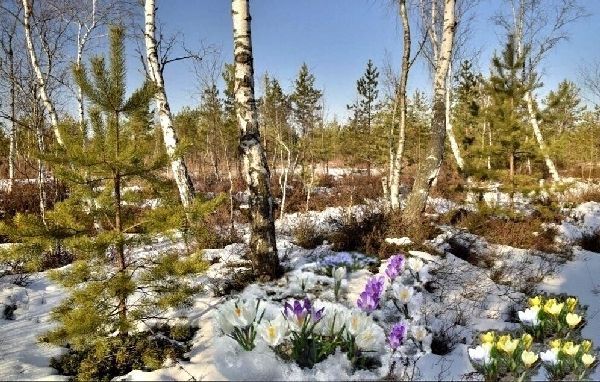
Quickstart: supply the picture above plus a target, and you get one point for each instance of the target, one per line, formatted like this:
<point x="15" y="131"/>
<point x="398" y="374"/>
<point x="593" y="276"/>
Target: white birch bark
<point x="417" y="199"/>
<point x="256" y="171"/>
<point x="41" y="80"/>
<point x="397" y="154"/>
<point x="449" y="131"/>
<point x="180" y="172"/>
<point x="540" y="138"/>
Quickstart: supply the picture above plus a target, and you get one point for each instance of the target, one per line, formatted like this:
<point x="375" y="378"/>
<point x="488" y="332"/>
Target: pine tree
<point x="110" y="175"/>
<point x="366" y="106"/>
<point x="563" y="109"/>
<point x="507" y="110"/>
<point x="305" y="101"/>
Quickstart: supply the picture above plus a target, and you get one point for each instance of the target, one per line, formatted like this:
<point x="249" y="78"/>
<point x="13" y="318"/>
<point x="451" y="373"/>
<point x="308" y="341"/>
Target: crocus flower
<point x="536" y="301"/>
<point x="274" y="331"/>
<point x="357" y="321"/>
<point x="550" y="356"/>
<point x="397" y="335"/>
<point x="488" y="337"/>
<point x="570" y="349"/>
<point x="528" y="358"/>
<point x="402" y="293"/>
<point x="556" y="344"/>
<point x="339" y="273"/>
<point x="419" y="332"/>
<point x="571" y="304"/>
<point x="237" y="313"/>
<point x="394" y="267"/>
<point x="481" y="353"/>
<point x="298" y="312"/>
<point x="587" y="360"/>
<point x="586" y="345"/>
<point x="368" y="338"/>
<point x="368" y="300"/>
<point x="529" y="316"/>
<point x="527" y="341"/>
<point x="573" y="319"/>
<point x="415" y="264"/>
<point x="552" y="307"/>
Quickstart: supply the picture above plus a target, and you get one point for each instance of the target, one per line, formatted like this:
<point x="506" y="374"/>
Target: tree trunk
<point x="540" y="139"/>
<point x="12" y="153"/>
<point x="43" y="91"/>
<point x="417" y="198"/>
<point x="396" y="155"/>
<point x="256" y="170"/>
<point x="180" y="171"/>
<point x="451" y="138"/>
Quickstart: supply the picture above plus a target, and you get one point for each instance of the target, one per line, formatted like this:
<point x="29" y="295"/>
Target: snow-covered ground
<point x="461" y="299"/>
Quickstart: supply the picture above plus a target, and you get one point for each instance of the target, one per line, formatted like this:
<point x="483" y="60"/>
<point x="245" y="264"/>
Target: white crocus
<point x="332" y="322"/>
<point x="224" y="323"/>
<point x="402" y="293"/>
<point x="529" y="316"/>
<point x="357" y="321"/>
<point x="370" y="338"/>
<point x="419" y="332"/>
<point x="240" y="313"/>
<point x="339" y="273"/>
<point x="273" y="332"/>
<point x="481" y="354"/>
<point x="550" y="356"/>
<point x="415" y="264"/>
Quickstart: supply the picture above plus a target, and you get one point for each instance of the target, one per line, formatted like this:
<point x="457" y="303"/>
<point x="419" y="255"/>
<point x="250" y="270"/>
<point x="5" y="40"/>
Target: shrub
<point x="114" y="356"/>
<point x="306" y="234"/>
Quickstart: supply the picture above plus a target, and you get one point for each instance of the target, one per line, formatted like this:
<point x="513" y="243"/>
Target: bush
<point x="114" y="356"/>
<point x="306" y="235"/>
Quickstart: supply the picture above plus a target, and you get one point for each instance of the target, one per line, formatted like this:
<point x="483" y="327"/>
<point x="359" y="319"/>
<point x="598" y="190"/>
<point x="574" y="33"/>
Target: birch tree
<point x="417" y="199"/>
<point x="180" y="171"/>
<point x="256" y="171"/>
<point x="540" y="25"/>
<point x="41" y="78"/>
<point x="397" y="149"/>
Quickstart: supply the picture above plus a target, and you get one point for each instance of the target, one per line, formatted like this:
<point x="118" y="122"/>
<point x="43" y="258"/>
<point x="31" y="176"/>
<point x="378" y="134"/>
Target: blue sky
<point x="336" y="38"/>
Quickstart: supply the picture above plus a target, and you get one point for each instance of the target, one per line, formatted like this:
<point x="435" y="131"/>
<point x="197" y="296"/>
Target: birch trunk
<point x="12" y="153"/>
<point x="417" y="199"/>
<point x="180" y="171"/>
<point x="449" y="131"/>
<point x="256" y="171"/>
<point x="540" y="138"/>
<point x="396" y="155"/>
<point x="43" y="91"/>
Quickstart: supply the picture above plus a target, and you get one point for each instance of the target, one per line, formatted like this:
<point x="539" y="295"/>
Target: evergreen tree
<point x="563" y="109"/>
<point x="110" y="175"/>
<point x="366" y="106"/>
<point x="306" y="101"/>
<point x="507" y="110"/>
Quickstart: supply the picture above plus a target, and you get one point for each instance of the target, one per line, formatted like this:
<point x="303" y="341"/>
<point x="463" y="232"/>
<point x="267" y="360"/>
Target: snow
<point x="465" y="299"/>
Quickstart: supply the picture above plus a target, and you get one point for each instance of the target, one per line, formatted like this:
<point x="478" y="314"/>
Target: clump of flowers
<point x="238" y="319"/>
<point x="394" y="267"/>
<point x="551" y="317"/>
<point x="369" y="299"/>
<point x="361" y="337"/>
<point x="499" y="356"/>
<point x="342" y="259"/>
<point x="568" y="360"/>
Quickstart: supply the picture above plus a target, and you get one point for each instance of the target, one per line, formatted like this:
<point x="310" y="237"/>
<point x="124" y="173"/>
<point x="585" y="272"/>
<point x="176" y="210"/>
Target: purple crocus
<point x="368" y="300"/>
<point x="394" y="267"/>
<point x="299" y="311"/>
<point x="397" y="335"/>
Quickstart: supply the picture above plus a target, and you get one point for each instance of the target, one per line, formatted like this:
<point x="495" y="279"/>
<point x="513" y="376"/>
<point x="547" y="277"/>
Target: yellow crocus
<point x="552" y="307"/>
<point x="527" y="340"/>
<point x="570" y="349"/>
<point x="535" y="301"/>
<point x="587" y="360"/>
<point x="586" y="345"/>
<point x="488" y="338"/>
<point x="573" y="319"/>
<point x="510" y="346"/>
<point x="571" y="304"/>
<point x="528" y="358"/>
<point x="555" y="344"/>
<point x="502" y="340"/>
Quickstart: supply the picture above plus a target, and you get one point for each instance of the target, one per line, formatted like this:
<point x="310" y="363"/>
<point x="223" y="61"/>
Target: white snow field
<point x="461" y="301"/>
